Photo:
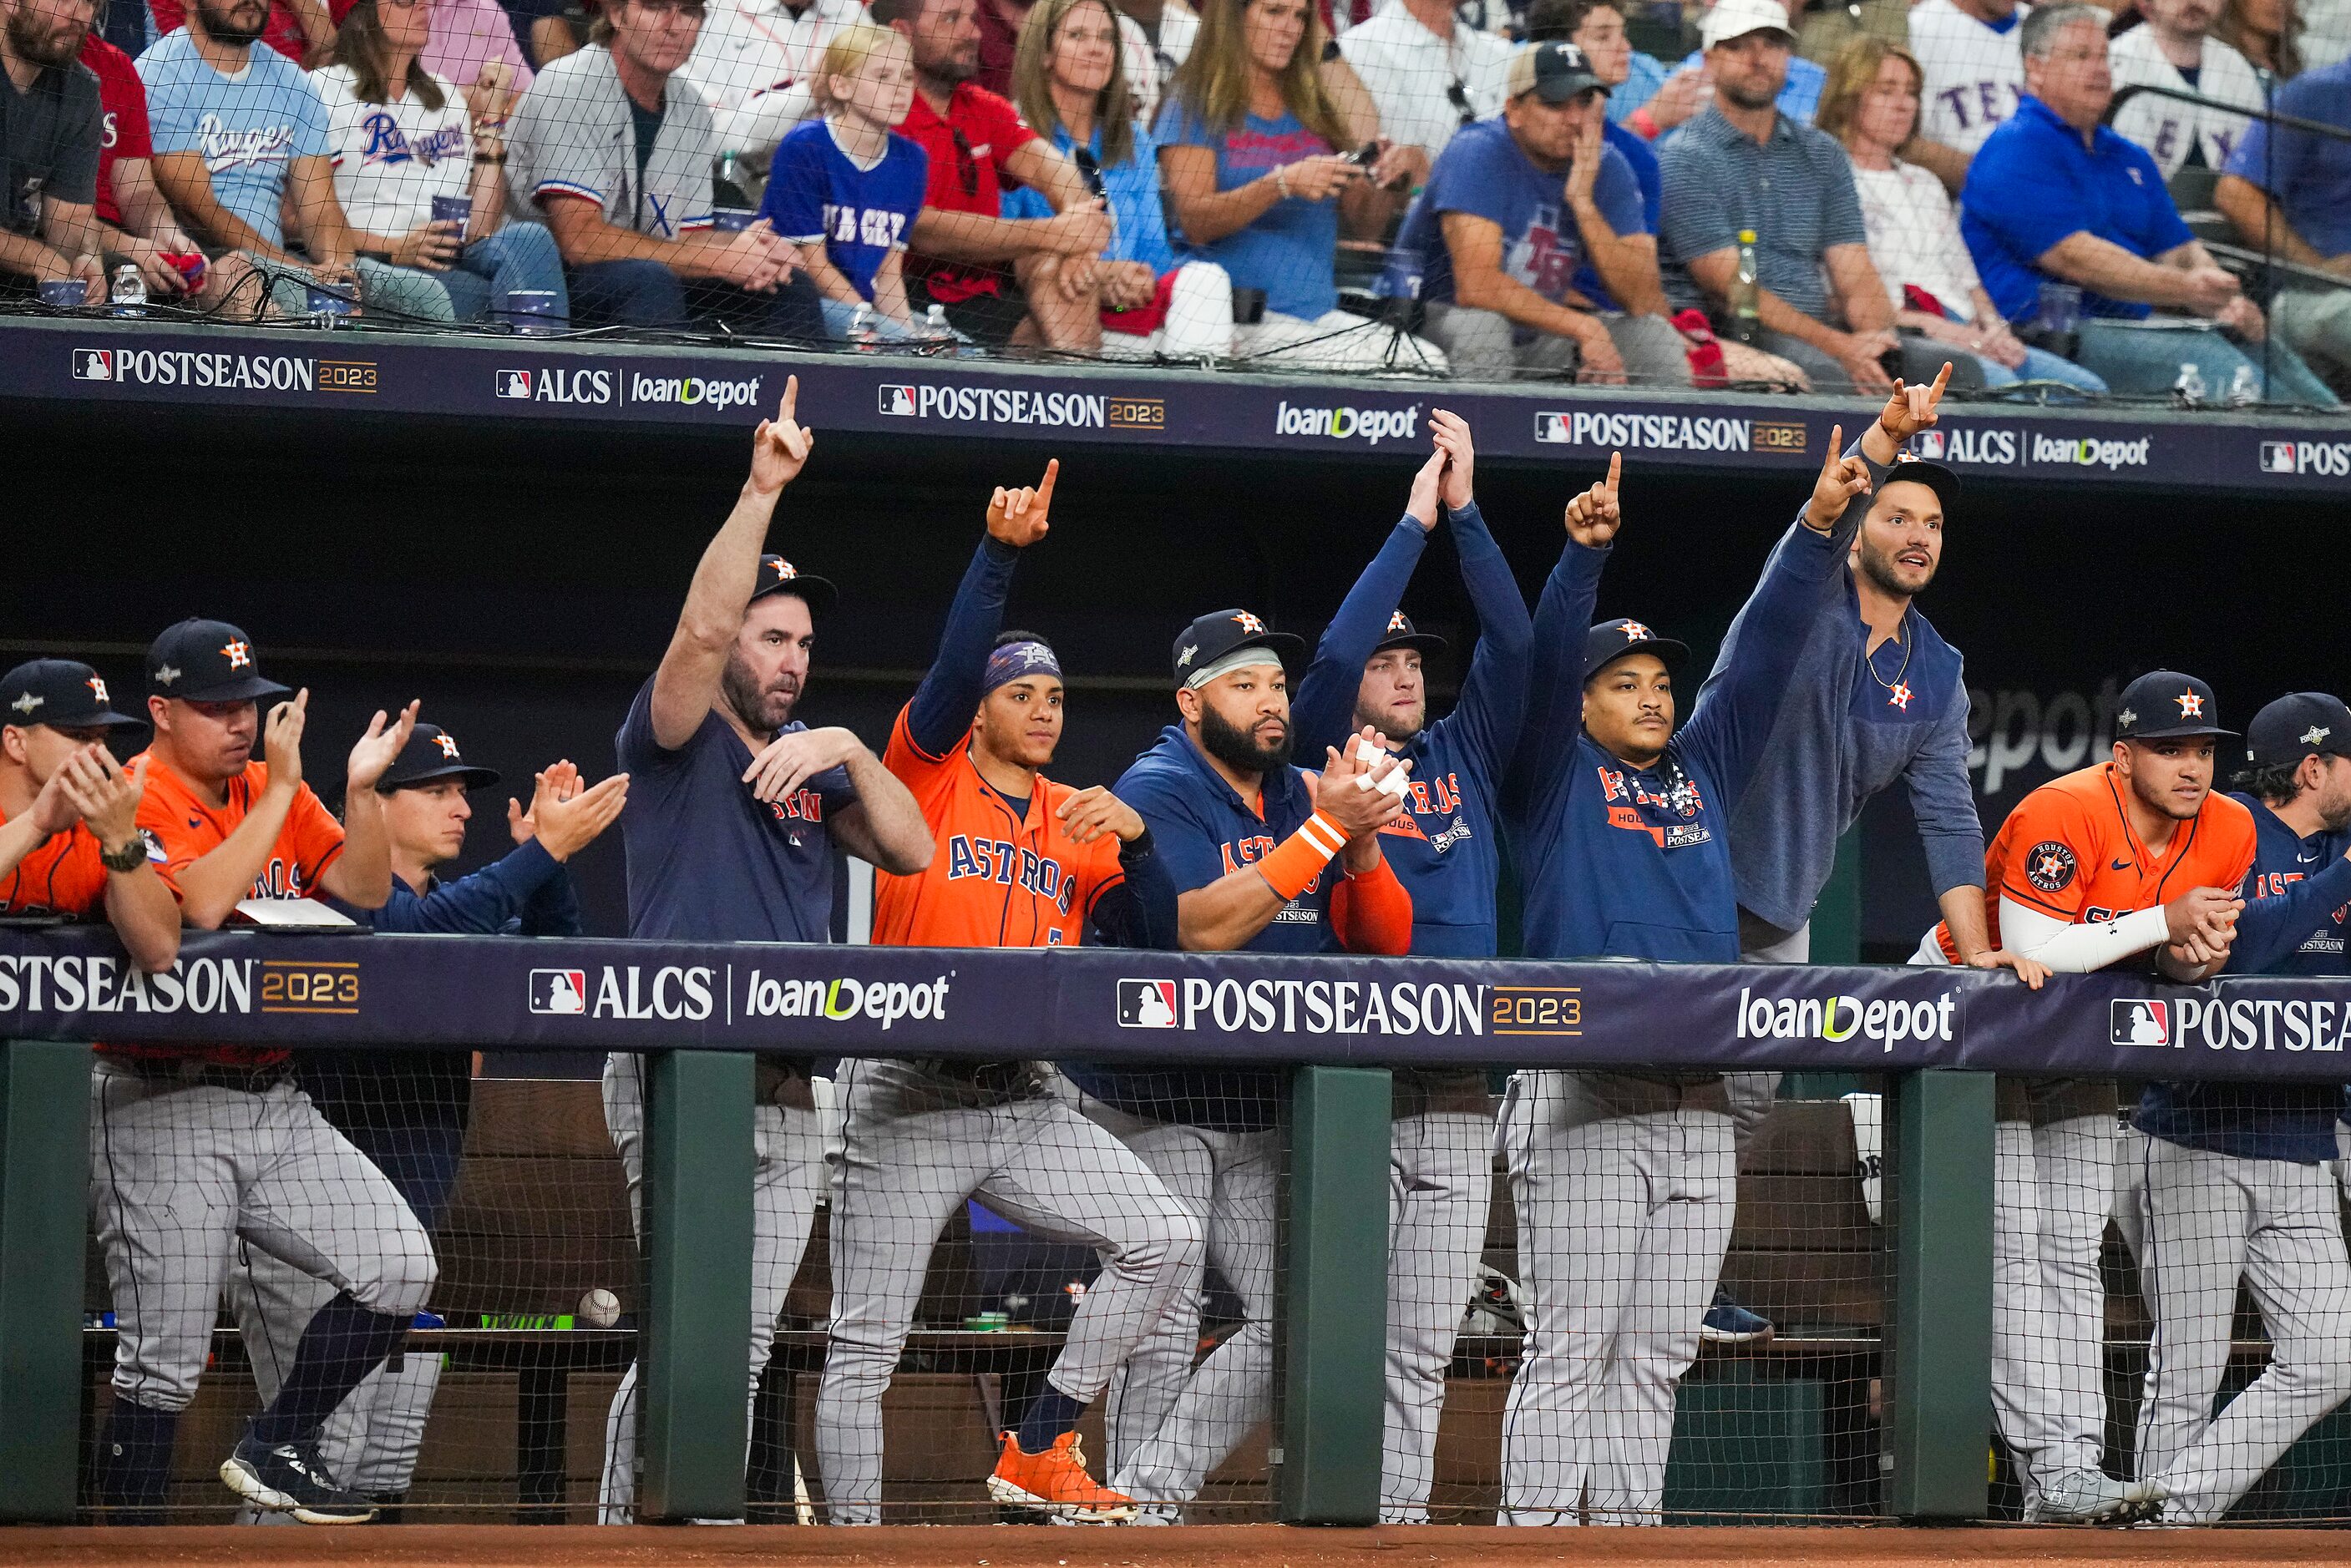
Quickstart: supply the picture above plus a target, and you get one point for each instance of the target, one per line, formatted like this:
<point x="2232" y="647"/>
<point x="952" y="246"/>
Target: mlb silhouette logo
<point x="562" y="991"/>
<point x="2277" y="457"/>
<point x="2139" y="1022"/>
<point x="1146" y="1004"/>
<point x="1930" y="445"/>
<point x="513" y="384"/>
<point x="1554" y="429"/>
<point x="93" y="363"/>
<point x="898" y="401"/>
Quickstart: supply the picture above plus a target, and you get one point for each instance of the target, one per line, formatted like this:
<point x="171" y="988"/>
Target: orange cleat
<point x="1055" y="1483"/>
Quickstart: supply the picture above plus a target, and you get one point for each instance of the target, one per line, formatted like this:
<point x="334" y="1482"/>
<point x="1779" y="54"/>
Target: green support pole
<point x="697" y="1238"/>
<point x="44" y="1172"/>
<point x="1334" y="1305"/>
<point x="1939" y="1181"/>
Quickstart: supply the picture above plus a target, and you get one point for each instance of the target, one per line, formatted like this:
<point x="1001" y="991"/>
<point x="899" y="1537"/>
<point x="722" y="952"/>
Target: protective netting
<point x="1653" y="195"/>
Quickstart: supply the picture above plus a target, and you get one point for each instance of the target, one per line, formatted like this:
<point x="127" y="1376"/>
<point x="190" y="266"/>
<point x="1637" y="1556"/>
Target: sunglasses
<point x="1091" y="168"/>
<point x="967" y="166"/>
<point x="1459" y="97"/>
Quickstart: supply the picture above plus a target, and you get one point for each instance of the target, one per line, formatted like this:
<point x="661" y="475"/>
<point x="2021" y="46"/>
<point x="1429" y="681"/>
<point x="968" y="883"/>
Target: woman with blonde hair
<point x="1262" y="169"/>
<point x="1871" y="105"/>
<point x="844" y="188"/>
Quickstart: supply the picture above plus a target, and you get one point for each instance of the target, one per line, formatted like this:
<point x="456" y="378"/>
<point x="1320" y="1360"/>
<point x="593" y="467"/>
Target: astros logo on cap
<point x="1248" y="622"/>
<point x="98" y="690"/>
<point x="1398" y="623"/>
<point x="2191" y="706"/>
<point x="448" y="744"/>
<point x="237" y="654"/>
<point x="1635" y="631"/>
<point x="785" y="571"/>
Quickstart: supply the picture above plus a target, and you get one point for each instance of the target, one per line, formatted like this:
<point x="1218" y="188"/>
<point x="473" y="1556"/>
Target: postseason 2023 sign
<point x="1107" y="1004"/>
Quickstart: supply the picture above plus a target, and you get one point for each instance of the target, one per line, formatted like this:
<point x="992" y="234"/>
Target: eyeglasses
<point x="1089" y="167"/>
<point x="967" y="166"/>
<point x="1459" y="97"/>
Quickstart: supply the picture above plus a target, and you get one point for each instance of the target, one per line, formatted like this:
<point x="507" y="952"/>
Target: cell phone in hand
<point x="1366" y="155"/>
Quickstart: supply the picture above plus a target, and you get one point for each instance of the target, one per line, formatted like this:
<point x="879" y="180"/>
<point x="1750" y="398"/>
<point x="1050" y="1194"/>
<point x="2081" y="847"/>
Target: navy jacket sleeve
<point x="2268" y="928"/>
<point x="1554" y="714"/>
<point x="480" y="904"/>
<point x="1139" y="912"/>
<point x="940" y="714"/>
<point x="1190" y="855"/>
<point x="1324" y="711"/>
<point x="554" y="909"/>
<point x="1725" y="735"/>
<point x="1494" y="695"/>
<point x="1944" y="802"/>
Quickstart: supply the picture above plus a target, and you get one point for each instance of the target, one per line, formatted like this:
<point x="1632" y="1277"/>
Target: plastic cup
<point x="2061" y="307"/>
<point x="65" y="293"/>
<point x="531" y="311"/>
<point x="328" y="307"/>
<point x="732" y="220"/>
<point x="457" y="209"/>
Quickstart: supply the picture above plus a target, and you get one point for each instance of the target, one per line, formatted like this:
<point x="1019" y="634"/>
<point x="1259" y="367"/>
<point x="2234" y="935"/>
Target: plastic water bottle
<point x="934" y="321"/>
<point x="862" y="336"/>
<point x="2188" y="391"/>
<point x="1746" y="316"/>
<point x="2244" y="388"/>
<point x="130" y="292"/>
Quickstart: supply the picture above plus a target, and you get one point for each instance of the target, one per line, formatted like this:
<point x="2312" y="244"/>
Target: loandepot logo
<point x="884" y="1002"/>
<point x="1840" y="1017"/>
<point x="695" y="392"/>
<point x="1372" y="426"/>
<point x="2108" y="454"/>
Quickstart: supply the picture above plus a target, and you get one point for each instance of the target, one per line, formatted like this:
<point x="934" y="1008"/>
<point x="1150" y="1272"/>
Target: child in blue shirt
<point x="845" y="188"/>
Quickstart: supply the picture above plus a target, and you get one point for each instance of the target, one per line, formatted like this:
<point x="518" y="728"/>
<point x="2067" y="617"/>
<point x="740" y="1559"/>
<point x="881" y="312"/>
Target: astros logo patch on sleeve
<point x="2050" y="867"/>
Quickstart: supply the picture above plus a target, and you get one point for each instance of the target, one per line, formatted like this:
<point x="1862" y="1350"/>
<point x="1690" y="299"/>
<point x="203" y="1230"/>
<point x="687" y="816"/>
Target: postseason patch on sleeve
<point x="2049" y="865"/>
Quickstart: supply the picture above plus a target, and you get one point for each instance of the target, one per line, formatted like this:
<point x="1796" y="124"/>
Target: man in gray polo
<point x="1743" y="165"/>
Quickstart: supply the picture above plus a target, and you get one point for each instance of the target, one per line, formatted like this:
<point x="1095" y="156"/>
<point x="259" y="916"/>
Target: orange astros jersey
<point x="187" y="829"/>
<point x="993" y="881"/>
<point x="63" y="877"/>
<point x="2068" y="850"/>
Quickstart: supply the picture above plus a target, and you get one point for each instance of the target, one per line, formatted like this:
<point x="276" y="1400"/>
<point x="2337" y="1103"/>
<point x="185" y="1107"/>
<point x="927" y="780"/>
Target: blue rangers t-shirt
<point x="1202" y="831"/>
<point x="708" y="860"/>
<point x="2297" y="899"/>
<point x="1484" y="173"/>
<point x="862" y="211"/>
<point x="248" y="127"/>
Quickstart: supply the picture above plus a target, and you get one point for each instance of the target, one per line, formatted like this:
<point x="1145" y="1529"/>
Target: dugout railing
<point x="1935" y="1036"/>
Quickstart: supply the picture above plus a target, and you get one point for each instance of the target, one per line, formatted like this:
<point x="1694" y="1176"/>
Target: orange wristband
<point x="1644" y="124"/>
<point x="1298" y="860"/>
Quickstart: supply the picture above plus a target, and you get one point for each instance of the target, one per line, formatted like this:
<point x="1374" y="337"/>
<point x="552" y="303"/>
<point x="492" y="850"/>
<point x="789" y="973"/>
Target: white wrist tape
<point x="1371" y="756"/>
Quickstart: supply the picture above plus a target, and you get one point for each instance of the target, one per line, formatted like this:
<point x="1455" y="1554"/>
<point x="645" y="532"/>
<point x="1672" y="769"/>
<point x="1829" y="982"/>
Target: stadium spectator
<point x="2289" y="192"/>
<point x="406" y="1110"/>
<point x="1690" y="90"/>
<point x="1070" y="81"/>
<point x="759" y="61"/>
<point x="1975" y="77"/>
<point x="403" y="139"/>
<point x="962" y="242"/>
<point x="2268" y="33"/>
<point x="467" y="35"/>
<point x="1517" y="269"/>
<point x="846" y="189"/>
<point x="2174" y="48"/>
<point x="549" y="29"/>
<point x="139" y="225"/>
<point x="1429" y="72"/>
<point x="48" y="144"/>
<point x="1001" y="23"/>
<point x="1825" y="31"/>
<point x="1597" y="27"/>
<point x="240" y="139"/>
<point x="2056" y="197"/>
<point x="617" y="150"/>
<point x="302" y="30"/>
<point x="1871" y="107"/>
<point x="1250" y="153"/>
<point x="1745" y="166"/>
<point x="1156" y="35"/>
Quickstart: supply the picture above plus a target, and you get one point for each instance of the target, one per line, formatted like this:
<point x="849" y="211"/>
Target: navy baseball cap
<point x="430" y="756"/>
<point x="1400" y="633"/>
<point x="1221" y="632"/>
<point x="61" y="693"/>
<point x="1933" y="475"/>
<point x="2165" y="705"/>
<point x="207" y="661"/>
<point x="1555" y="71"/>
<point x="1616" y="639"/>
<point x="777" y="575"/>
<point x="2303" y="724"/>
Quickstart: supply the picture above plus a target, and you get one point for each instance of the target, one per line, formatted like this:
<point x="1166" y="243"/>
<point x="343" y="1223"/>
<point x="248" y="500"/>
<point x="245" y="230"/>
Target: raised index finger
<point x="1942" y="379"/>
<point x="1615" y="468"/>
<point x="791" y="399"/>
<point x="1045" y="489"/>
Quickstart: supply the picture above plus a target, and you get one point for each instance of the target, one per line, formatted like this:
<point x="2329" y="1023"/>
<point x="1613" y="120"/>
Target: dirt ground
<point x="1247" y="1546"/>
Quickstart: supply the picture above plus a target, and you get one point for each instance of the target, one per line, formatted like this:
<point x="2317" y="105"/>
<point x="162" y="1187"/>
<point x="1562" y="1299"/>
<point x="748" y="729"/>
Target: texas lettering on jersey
<point x="1001" y="861"/>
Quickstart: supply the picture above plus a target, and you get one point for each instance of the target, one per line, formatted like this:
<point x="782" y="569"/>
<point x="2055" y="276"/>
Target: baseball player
<point x="1445" y="850"/>
<point x="1879" y="697"/>
<point x="1249" y="841"/>
<point x="1022" y="862"/>
<point x="735" y="810"/>
<point x="196" y="1149"/>
<point x="2235" y="1175"/>
<point x="406" y="1110"/>
<point x="2127" y="856"/>
<point x="70" y="841"/>
<point x="1623" y="1183"/>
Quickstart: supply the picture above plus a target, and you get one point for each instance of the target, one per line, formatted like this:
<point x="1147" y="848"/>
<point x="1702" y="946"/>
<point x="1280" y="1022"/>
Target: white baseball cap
<point x="1736" y="18"/>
